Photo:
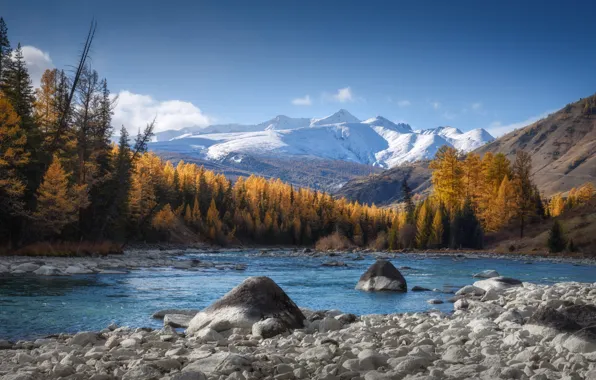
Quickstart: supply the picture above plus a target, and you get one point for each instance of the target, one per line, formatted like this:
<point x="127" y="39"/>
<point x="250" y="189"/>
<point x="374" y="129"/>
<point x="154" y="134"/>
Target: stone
<point x="269" y="328"/>
<point x="142" y="372"/>
<point x="583" y="341"/>
<point x="489" y="273"/>
<point x="84" y="338"/>
<point x="470" y="290"/>
<point x="255" y="299"/>
<point x="329" y="324"/>
<point x="497" y="283"/>
<point x="382" y="276"/>
<point x="129" y="343"/>
<point x="420" y="289"/>
<point x="334" y="263"/>
<point x="177" y="320"/>
<point x="47" y="270"/>
<point x="112" y="342"/>
<point x="62" y="370"/>
<point x="345" y="319"/>
<point x="160" y="314"/>
<point x="461" y="304"/>
<point x="208" y="335"/>
<point x="76" y="269"/>
<point x="454" y="354"/>
<point x="25" y="268"/>
<point x="189" y="375"/>
<point x="222" y="362"/>
<point x="549" y="317"/>
<point x="434" y="301"/>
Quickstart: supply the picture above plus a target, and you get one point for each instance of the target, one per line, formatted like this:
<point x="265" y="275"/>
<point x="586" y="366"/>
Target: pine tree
<point x="556" y="238"/>
<point x="57" y="203"/>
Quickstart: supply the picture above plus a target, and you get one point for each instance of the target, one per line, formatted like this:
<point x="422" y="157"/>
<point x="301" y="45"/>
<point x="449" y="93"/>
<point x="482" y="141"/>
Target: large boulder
<point x="382" y="276"/>
<point x="497" y="283"/>
<point x="254" y="300"/>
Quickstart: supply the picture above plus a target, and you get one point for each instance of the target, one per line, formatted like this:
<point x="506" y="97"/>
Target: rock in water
<point x="497" y="283"/>
<point x="489" y="273"/>
<point x="382" y="276"/>
<point x="255" y="299"/>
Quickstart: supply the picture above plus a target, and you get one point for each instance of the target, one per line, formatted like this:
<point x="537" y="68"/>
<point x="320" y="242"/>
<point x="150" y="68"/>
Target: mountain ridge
<point x="376" y="141"/>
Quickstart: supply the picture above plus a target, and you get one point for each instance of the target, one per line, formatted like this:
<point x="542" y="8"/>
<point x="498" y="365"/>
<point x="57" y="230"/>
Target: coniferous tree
<point x="437" y="229"/>
<point x="57" y="202"/>
<point x="5" y="50"/>
<point x="407" y="200"/>
<point x="466" y="231"/>
<point x="423" y="225"/>
<point x="13" y="157"/>
<point x="447" y="178"/>
<point x="523" y="189"/>
<point x="556" y="238"/>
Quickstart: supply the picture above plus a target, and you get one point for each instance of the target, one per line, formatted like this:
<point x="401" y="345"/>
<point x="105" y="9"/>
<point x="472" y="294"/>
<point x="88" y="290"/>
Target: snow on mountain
<point x="341" y="136"/>
<point x="341" y="116"/>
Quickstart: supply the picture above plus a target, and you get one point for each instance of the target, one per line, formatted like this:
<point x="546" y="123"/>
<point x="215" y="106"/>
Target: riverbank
<point x="514" y="333"/>
<point x="180" y="257"/>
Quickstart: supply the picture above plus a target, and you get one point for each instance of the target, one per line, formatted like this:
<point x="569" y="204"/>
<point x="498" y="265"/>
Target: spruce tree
<point x="407" y="200"/>
<point x="5" y="50"/>
<point x="556" y="238"/>
<point x="437" y="230"/>
<point x="523" y="190"/>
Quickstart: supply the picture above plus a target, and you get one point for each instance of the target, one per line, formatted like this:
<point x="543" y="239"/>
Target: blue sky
<point x="468" y="64"/>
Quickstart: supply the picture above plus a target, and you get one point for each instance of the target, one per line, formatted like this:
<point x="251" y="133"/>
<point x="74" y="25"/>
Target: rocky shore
<point x="499" y="329"/>
<point x="111" y="264"/>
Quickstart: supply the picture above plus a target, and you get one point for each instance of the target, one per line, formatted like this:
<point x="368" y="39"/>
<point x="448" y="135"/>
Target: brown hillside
<point x="578" y="224"/>
<point x="563" y="147"/>
<point x="385" y="188"/>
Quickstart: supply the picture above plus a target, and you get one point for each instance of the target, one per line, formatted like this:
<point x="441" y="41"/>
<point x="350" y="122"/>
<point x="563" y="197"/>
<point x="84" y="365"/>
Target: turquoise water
<point x="33" y="306"/>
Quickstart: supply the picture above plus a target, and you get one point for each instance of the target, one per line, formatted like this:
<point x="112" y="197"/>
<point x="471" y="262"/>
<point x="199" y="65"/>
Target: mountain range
<point x="376" y="141"/>
<point x="562" y="146"/>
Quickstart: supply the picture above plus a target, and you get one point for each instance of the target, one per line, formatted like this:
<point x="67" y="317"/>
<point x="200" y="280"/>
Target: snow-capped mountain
<point x="341" y="136"/>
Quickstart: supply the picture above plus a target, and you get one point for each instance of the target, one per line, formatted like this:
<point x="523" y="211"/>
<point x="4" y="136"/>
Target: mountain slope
<point x="562" y="145"/>
<point x="341" y="136"/>
<point x="385" y="188"/>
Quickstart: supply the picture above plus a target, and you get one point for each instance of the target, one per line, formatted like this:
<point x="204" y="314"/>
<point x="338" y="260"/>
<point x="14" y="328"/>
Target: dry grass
<point x="335" y="241"/>
<point x="65" y="249"/>
<point x="579" y="224"/>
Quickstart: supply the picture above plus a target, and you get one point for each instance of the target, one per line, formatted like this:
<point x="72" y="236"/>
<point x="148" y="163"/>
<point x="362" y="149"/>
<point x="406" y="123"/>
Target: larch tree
<point x="12" y="158"/>
<point x="447" y="178"/>
<point x="46" y="102"/>
<point x="57" y="202"/>
<point x="423" y="224"/>
<point x="437" y="229"/>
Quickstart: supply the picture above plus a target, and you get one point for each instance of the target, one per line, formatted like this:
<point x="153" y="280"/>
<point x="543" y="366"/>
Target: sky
<point x="496" y="65"/>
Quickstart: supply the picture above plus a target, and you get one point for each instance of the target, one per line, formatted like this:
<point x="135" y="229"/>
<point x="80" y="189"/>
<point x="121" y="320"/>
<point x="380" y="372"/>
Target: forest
<point x="62" y="180"/>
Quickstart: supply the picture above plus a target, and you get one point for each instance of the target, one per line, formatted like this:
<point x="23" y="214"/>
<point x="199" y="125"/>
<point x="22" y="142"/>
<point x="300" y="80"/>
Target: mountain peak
<point x="341" y="116"/>
<point x="380" y="121"/>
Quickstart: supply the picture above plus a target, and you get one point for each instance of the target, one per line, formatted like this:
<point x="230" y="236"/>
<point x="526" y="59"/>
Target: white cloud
<point x="135" y="111"/>
<point x="305" y="101"/>
<point x="404" y="103"/>
<point x="344" y="95"/>
<point x="435" y="105"/>
<point x="37" y="62"/>
<point x="497" y="129"/>
<point x="477" y="106"/>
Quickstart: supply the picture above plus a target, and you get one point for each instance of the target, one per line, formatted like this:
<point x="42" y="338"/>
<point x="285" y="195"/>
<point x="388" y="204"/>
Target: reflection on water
<point x="33" y="306"/>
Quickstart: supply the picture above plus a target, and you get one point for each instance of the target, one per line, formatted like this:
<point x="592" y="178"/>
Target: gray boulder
<point x="382" y="276"/>
<point x="489" y="273"/>
<point x="27" y="267"/>
<point x="254" y="300"/>
<point x="177" y="320"/>
<point x="497" y="283"/>
<point x="269" y="328"/>
<point x="47" y="270"/>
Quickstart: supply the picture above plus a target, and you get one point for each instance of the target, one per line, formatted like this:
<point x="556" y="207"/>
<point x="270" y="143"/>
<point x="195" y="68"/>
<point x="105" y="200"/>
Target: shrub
<point x="69" y="249"/>
<point x="335" y="241"/>
<point x="381" y="242"/>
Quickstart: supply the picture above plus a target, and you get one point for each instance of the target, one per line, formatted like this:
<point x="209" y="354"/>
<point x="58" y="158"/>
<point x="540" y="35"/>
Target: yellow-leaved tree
<point x="57" y="202"/>
<point x="12" y="158"/>
<point x="447" y="178"/>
